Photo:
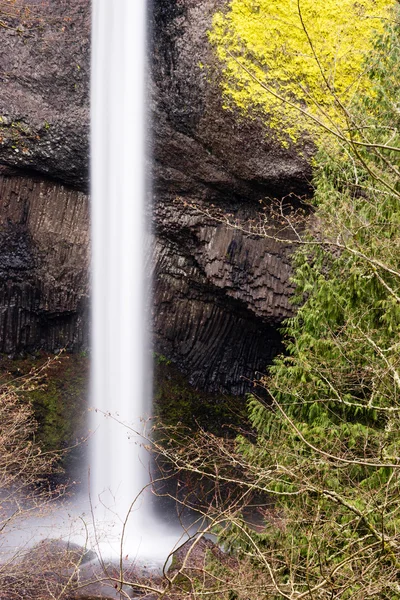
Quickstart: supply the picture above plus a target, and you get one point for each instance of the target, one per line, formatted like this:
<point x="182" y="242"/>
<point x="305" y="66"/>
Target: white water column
<point x="118" y="469"/>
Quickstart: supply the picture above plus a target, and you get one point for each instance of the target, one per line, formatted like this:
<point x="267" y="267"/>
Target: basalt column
<point x="44" y="265"/>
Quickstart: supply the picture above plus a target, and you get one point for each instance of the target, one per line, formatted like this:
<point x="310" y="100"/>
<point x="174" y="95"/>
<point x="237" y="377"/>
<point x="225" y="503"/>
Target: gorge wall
<point x="219" y="293"/>
<point x="44" y="284"/>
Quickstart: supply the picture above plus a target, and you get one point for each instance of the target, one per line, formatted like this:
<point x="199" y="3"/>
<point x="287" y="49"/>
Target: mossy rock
<point x="177" y="403"/>
<point x="57" y="389"/>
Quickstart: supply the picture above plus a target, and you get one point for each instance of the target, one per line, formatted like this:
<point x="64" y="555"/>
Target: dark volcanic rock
<point x="44" y="89"/>
<point x="219" y="294"/>
<point x="66" y="555"/>
<point x="201" y="149"/>
<point x="44" y="260"/>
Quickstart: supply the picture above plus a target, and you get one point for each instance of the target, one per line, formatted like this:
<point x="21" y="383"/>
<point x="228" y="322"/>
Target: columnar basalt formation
<point x="44" y="265"/>
<point x="219" y="294"/>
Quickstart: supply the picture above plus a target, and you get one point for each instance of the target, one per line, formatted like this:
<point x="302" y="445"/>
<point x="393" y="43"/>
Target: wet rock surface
<point x="62" y="569"/>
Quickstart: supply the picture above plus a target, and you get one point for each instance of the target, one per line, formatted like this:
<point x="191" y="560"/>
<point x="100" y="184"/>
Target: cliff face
<point x="219" y="293"/>
<point x="200" y="148"/>
<point x="44" y="252"/>
<point x="44" y="90"/>
<point x="44" y="126"/>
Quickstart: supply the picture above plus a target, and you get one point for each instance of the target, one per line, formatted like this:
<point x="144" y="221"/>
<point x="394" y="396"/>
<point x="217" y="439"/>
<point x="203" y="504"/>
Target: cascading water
<point x="118" y="467"/>
<point x="118" y="520"/>
<point x="118" y="334"/>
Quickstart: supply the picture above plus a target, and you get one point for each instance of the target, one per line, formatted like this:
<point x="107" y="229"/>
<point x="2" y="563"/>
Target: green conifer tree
<point x="326" y="453"/>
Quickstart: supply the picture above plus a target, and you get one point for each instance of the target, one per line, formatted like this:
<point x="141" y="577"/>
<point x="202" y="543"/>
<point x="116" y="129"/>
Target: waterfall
<point x="118" y="520"/>
<point x="118" y="466"/>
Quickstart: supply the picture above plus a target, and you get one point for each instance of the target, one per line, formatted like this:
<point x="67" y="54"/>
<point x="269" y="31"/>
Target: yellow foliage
<point x="310" y="56"/>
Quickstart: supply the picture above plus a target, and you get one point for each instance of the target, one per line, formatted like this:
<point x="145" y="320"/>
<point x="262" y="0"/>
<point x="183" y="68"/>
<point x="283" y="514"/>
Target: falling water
<point x="118" y="520"/>
<point x="119" y="470"/>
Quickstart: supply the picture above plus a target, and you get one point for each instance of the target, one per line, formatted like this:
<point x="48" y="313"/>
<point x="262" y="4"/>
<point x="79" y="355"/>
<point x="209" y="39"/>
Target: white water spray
<point x="118" y="469"/>
<point x="114" y="524"/>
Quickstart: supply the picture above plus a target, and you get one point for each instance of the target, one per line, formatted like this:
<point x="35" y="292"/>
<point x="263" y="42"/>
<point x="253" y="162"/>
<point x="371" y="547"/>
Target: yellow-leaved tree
<point x="298" y="63"/>
<point x="321" y="467"/>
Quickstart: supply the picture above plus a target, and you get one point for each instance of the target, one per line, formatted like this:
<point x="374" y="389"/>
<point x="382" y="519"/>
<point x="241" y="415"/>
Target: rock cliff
<point x="200" y="148"/>
<point x="44" y="268"/>
<point x="44" y="127"/>
<point x="44" y="91"/>
<point x="219" y="294"/>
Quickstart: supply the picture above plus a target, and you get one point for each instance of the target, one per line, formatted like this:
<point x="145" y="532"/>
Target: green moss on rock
<point x="58" y="394"/>
<point x="176" y="402"/>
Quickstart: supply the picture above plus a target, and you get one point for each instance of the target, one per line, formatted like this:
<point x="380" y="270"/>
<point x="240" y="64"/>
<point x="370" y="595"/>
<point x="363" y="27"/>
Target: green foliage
<point x="321" y="467"/>
<point x="327" y="448"/>
<point x="276" y="42"/>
